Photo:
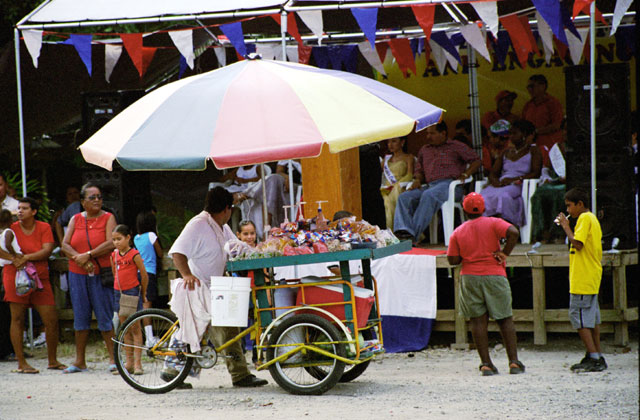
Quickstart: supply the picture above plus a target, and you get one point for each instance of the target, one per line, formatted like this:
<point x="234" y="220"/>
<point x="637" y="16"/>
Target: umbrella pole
<point x="265" y="213"/>
<point x="23" y="163"/>
<point x="592" y="103"/>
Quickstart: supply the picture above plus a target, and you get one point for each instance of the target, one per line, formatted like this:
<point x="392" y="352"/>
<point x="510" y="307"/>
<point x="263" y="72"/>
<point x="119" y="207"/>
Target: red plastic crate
<point x="334" y="293"/>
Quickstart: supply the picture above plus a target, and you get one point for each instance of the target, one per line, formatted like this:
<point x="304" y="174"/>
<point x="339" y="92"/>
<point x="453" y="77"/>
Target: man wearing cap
<point x="484" y="288"/>
<point x="504" y="103"/>
<point x="545" y="112"/>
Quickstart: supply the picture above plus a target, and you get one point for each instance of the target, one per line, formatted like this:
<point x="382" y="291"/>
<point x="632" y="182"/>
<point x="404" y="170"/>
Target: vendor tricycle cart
<point x="308" y="344"/>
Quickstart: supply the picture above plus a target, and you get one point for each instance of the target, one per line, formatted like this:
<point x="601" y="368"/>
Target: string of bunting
<point x="555" y="28"/>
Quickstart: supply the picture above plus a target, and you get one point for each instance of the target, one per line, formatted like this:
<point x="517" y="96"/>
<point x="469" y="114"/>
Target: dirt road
<point x="437" y="383"/>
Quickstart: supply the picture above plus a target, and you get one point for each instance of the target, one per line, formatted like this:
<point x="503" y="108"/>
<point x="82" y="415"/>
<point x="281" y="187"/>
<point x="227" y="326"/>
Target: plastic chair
<point x="529" y="186"/>
<point x="448" y="214"/>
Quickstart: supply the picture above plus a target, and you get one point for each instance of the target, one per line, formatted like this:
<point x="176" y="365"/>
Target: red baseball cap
<point x="473" y="203"/>
<point x="505" y="94"/>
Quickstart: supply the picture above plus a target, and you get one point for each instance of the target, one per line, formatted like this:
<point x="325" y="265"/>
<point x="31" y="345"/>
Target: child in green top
<point x="585" y="273"/>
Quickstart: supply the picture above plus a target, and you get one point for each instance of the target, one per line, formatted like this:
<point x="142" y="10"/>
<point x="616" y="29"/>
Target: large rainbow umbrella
<point x="255" y="111"/>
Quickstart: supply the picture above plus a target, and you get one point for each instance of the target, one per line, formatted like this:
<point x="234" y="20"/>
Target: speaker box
<point x="615" y="181"/>
<point x="100" y="107"/>
<point x="125" y="194"/>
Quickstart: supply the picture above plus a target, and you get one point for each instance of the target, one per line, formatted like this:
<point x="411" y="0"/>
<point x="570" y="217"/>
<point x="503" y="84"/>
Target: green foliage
<point x="169" y="227"/>
<point x="36" y="190"/>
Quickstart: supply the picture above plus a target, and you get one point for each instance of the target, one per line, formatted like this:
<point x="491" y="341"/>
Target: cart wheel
<point x="160" y="374"/>
<point x="291" y="374"/>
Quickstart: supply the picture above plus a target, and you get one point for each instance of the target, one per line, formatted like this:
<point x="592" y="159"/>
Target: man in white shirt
<point x="198" y="253"/>
<point x="7" y="201"/>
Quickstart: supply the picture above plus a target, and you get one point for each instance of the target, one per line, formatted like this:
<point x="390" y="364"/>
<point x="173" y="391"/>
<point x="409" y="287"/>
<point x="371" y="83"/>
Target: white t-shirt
<point x="202" y="242"/>
<point x="10" y="204"/>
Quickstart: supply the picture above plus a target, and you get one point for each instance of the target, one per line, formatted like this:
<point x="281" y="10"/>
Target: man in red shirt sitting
<point x="439" y="162"/>
<point x="484" y="287"/>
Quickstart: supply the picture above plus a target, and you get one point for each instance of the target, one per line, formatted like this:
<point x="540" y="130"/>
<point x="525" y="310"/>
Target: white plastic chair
<point x="529" y="186"/>
<point x="447" y="209"/>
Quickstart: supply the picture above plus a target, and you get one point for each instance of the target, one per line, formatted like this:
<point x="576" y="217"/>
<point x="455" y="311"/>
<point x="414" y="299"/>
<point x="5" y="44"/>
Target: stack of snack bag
<point x="291" y="238"/>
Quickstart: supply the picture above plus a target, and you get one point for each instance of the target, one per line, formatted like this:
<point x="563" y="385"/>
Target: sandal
<point x="492" y="370"/>
<point x="518" y="368"/>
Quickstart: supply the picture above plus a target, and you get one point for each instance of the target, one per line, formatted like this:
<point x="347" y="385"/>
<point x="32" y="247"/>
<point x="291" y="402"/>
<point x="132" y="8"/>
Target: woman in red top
<point x="88" y="245"/>
<point x="36" y="243"/>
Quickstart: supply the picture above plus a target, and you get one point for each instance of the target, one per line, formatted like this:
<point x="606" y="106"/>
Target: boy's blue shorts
<point x="87" y="295"/>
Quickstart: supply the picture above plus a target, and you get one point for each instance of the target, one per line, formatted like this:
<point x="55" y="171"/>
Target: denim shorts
<point x="87" y="295"/>
<point x="135" y="291"/>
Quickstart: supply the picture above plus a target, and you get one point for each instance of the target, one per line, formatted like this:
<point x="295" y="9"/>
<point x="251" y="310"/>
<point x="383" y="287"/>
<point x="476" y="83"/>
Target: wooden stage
<point x="540" y="320"/>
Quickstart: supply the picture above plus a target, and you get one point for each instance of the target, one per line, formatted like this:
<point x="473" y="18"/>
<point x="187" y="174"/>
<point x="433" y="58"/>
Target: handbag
<point x="128" y="303"/>
<point x="106" y="274"/>
<point x="27" y="280"/>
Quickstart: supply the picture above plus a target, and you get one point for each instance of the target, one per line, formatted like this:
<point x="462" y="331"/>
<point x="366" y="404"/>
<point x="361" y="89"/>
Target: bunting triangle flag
<point x="82" y="44"/>
<point x="304" y="54"/>
<point x="112" y="54"/>
<point x="367" y="20"/>
<point x="268" y="51"/>
<point x="182" y="66"/>
<point x="567" y="22"/>
<point x="424" y="15"/>
<point x="233" y="31"/>
<point x="313" y="20"/>
<point x="519" y="37"/>
<point x="547" y="37"/>
<point x="133" y="44"/>
<point x="221" y="55"/>
<point x="618" y="13"/>
<point x="437" y="53"/>
<point x="321" y="56"/>
<point x="445" y="42"/>
<point x="372" y="57"/>
<point x="584" y="6"/>
<point x="488" y="12"/>
<point x="474" y="37"/>
<point x="551" y="13"/>
<point x="524" y="20"/>
<point x="560" y="47"/>
<point x="183" y="40"/>
<point x="401" y="50"/>
<point x="382" y="48"/>
<point x="292" y="53"/>
<point x="147" y="58"/>
<point x="292" y="25"/>
<point x="576" y="45"/>
<point x="33" y="41"/>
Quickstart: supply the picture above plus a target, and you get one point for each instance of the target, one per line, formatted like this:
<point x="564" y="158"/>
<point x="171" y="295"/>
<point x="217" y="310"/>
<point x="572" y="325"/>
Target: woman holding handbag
<point x="88" y="243"/>
<point x="35" y="240"/>
<point x="129" y="293"/>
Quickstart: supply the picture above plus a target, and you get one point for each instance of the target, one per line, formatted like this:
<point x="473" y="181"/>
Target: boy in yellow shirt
<point x="585" y="273"/>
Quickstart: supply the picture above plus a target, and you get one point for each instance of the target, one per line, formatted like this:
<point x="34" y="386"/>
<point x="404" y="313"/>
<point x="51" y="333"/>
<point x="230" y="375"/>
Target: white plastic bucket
<point x="230" y="301"/>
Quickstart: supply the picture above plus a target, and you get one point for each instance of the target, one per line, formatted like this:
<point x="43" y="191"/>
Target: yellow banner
<point x="451" y="90"/>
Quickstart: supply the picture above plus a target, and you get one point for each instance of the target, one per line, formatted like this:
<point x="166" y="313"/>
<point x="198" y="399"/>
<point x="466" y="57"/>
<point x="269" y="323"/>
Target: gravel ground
<point x="437" y="383"/>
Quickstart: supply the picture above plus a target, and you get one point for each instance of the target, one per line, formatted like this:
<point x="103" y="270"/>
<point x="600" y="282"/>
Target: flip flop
<point x="60" y="366"/>
<point x="27" y="371"/>
<point x="113" y="367"/>
<point x="73" y="369"/>
<point x="519" y="368"/>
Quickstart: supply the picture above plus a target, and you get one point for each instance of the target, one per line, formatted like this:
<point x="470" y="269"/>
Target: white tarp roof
<point x="88" y="10"/>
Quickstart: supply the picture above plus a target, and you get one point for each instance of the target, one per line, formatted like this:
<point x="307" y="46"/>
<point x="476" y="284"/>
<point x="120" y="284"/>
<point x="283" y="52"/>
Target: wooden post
<point x="335" y="178"/>
<point x="461" y="324"/>
<point x="621" y="328"/>
<point x="539" y="304"/>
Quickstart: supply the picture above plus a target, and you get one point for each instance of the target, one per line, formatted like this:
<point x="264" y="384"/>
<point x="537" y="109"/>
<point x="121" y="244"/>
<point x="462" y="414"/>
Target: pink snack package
<point x="319" y="247"/>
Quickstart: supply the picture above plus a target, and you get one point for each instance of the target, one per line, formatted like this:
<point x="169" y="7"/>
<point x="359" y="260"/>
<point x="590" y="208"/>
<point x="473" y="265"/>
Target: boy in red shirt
<point x="484" y="288"/>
